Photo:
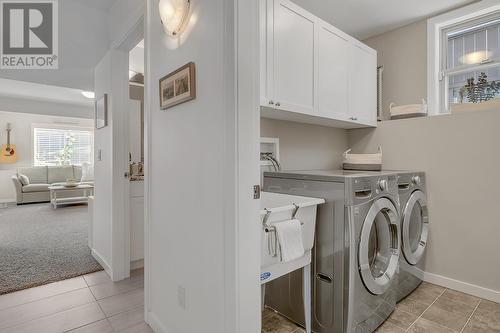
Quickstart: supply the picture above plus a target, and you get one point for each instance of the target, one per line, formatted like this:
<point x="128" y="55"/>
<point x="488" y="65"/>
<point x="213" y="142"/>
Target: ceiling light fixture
<point x="173" y="15"/>
<point x="88" y="94"/>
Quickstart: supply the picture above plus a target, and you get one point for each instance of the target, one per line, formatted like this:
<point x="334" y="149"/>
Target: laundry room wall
<point x="457" y="151"/>
<point x="459" y="155"/>
<point x="306" y="147"/>
<point x="190" y="161"/>
<point x="403" y="53"/>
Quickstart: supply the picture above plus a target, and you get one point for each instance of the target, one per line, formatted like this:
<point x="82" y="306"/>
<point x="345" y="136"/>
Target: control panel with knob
<point x="383" y="185"/>
<point x="416" y="180"/>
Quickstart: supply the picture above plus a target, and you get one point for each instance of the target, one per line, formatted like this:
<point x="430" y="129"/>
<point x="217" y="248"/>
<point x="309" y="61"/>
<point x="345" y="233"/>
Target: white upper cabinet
<point x="293" y="57"/>
<point x="312" y="72"/>
<point x="332" y="91"/>
<point x="363" y="84"/>
<point x="292" y="53"/>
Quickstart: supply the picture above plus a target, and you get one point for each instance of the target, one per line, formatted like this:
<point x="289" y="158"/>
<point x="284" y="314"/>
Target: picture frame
<point x="178" y="87"/>
<point x="101" y="112"/>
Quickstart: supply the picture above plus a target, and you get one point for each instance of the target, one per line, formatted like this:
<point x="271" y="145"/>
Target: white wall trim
<point x="155" y="324"/>
<point x="136" y="264"/>
<point x="147" y="169"/>
<point x="100" y="259"/>
<point x="435" y="26"/>
<point x="468" y="288"/>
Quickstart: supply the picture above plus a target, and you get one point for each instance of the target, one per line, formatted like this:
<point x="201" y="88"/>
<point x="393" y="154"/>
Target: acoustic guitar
<point x="8" y="151"/>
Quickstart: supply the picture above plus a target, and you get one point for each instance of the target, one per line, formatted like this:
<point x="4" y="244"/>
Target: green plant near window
<point x="64" y="156"/>
<point x="480" y="91"/>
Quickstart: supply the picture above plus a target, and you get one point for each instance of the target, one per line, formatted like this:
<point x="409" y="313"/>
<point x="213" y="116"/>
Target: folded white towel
<point x="290" y="240"/>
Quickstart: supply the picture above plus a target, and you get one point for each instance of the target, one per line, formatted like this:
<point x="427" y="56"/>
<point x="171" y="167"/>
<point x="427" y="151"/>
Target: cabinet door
<point x="332" y="74"/>
<point x="293" y="58"/>
<point x="266" y="53"/>
<point x="363" y="85"/>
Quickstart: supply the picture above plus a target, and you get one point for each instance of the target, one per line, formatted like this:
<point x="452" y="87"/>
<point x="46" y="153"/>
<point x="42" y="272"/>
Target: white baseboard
<point x="468" y="288"/>
<point x="155" y="324"/>
<point x="10" y="202"/>
<point x="102" y="262"/>
<point x="136" y="264"/>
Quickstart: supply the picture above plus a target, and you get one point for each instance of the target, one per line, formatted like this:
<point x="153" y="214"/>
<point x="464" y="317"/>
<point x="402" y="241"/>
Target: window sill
<point x="471" y="107"/>
<point x="458" y="109"/>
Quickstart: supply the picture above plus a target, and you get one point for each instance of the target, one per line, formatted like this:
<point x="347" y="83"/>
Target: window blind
<point x="59" y="146"/>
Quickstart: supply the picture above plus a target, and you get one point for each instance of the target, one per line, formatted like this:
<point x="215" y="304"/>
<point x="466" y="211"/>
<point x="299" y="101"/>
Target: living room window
<point x="62" y="146"/>
<point x="464" y="59"/>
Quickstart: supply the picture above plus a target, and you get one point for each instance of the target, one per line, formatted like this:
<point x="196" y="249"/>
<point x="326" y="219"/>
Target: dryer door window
<point x="415" y="227"/>
<point x="379" y="246"/>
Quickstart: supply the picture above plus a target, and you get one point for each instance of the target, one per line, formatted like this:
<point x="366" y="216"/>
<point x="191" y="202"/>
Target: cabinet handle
<point x="271" y="102"/>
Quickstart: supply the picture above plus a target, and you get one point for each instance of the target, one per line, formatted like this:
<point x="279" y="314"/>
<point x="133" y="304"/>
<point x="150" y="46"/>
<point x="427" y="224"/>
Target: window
<point x="473" y="63"/>
<point x="62" y="146"/>
<point x="464" y="57"/>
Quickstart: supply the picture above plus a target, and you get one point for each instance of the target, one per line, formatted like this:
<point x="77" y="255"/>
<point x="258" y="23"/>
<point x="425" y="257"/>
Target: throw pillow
<point x="24" y="180"/>
<point x="87" y="172"/>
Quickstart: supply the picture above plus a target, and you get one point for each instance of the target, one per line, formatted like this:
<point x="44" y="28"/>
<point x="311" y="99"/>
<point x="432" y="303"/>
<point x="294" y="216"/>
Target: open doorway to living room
<point x="47" y="128"/>
<point x="46" y="177"/>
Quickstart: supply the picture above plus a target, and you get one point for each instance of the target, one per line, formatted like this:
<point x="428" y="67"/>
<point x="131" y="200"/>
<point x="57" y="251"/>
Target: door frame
<point x="121" y="202"/>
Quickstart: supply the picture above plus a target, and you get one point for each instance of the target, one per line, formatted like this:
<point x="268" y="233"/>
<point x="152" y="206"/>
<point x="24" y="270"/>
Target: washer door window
<point x="379" y="246"/>
<point x="415" y="227"/>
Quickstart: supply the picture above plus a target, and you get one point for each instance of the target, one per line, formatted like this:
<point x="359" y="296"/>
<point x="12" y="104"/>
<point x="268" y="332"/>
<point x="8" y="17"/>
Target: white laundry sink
<point x="279" y="208"/>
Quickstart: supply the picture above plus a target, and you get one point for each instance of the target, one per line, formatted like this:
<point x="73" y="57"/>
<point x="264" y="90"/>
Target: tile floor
<point x="94" y="304"/>
<point x="86" y="304"/>
<point x="429" y="309"/>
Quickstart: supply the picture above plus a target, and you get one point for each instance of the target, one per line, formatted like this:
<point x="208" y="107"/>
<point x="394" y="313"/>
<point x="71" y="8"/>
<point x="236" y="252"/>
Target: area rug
<point x="39" y="245"/>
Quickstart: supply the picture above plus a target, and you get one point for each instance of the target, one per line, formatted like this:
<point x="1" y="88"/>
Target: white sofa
<point x="40" y="178"/>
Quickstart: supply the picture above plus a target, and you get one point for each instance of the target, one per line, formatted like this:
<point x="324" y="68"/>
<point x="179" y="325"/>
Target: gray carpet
<point x="39" y="245"/>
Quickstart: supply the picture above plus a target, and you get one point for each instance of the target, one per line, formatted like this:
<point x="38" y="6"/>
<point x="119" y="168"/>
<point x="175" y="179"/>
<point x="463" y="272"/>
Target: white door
<point x="293" y="58"/>
<point x="363" y="85"/>
<point x="332" y="74"/>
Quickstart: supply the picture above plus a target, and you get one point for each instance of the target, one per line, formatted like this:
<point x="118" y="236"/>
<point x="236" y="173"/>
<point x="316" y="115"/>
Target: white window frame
<point x="436" y="86"/>
<point x="62" y="127"/>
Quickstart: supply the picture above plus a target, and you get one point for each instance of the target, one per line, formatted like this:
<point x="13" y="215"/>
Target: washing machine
<point x="356" y="253"/>
<point x="414" y="231"/>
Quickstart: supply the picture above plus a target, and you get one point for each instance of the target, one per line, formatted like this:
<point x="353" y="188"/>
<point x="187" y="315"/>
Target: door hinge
<point x="256" y="192"/>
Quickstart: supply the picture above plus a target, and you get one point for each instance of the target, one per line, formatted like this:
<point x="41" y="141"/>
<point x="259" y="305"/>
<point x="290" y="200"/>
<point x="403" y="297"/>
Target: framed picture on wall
<point x="101" y="112"/>
<point x="178" y="87"/>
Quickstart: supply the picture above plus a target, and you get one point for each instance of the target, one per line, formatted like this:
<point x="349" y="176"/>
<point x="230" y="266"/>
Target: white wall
<point x="307" y="147"/>
<point x="112" y="233"/>
<point x="103" y="171"/>
<point x="21" y="137"/>
<point x="403" y="53"/>
<point x="193" y="232"/>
